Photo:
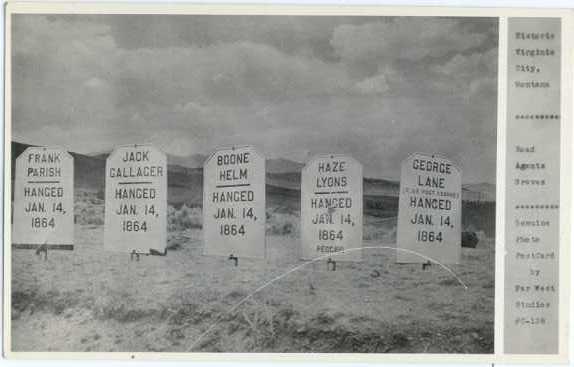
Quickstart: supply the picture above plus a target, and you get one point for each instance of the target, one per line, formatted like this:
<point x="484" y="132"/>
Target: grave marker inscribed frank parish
<point x="332" y="207"/>
<point x="429" y="210"/>
<point x="234" y="203"/>
<point x="44" y="197"/>
<point x="136" y="199"/>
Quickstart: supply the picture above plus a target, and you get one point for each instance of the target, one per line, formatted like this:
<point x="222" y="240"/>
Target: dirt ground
<point x="92" y="300"/>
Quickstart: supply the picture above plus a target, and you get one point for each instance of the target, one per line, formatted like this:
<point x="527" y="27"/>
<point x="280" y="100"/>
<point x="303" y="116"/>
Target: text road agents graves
<point x="44" y="197"/>
<point x="234" y="203"/>
<point x="429" y="210"/>
<point x="332" y="207"/>
<point x="136" y="200"/>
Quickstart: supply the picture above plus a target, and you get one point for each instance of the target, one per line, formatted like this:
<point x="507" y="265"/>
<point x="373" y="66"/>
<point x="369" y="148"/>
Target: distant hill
<point x="192" y="161"/>
<point x="281" y="165"/>
<point x="101" y="156"/>
<point x="483" y="191"/>
<point x="185" y="178"/>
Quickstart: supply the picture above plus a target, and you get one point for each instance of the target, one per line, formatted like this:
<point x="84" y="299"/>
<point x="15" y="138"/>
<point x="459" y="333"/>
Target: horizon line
<point x="386" y="178"/>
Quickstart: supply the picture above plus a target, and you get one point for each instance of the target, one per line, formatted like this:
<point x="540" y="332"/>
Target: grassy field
<point x="92" y="300"/>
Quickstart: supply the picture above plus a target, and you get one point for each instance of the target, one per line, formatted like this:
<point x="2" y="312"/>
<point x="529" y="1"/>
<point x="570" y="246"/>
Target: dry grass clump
<point x="88" y="209"/>
<point x="283" y="224"/>
<point x="184" y="218"/>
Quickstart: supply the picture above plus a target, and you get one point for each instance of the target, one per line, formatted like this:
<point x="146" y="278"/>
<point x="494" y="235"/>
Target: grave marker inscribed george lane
<point x="332" y="207"/>
<point x="44" y="197"/>
<point x="136" y="199"/>
<point x="429" y="210"/>
<point x="234" y="203"/>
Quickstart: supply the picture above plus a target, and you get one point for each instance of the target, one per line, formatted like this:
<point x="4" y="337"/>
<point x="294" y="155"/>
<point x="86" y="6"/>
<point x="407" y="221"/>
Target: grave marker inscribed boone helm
<point x="234" y="203"/>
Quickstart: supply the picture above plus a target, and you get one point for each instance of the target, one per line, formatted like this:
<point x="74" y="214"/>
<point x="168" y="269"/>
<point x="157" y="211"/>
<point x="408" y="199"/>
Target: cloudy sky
<point x="377" y="88"/>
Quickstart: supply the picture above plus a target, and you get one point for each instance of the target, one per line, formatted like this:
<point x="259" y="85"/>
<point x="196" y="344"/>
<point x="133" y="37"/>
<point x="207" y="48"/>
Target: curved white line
<point x="238" y="304"/>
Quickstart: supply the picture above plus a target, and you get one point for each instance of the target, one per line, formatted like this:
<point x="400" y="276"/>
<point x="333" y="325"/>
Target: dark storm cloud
<point x="376" y="88"/>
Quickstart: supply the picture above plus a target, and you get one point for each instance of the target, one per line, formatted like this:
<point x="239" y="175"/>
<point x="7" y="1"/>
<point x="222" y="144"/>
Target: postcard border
<point x="566" y="210"/>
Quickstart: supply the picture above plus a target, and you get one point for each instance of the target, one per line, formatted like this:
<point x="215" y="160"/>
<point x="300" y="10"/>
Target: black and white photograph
<point x="253" y="183"/>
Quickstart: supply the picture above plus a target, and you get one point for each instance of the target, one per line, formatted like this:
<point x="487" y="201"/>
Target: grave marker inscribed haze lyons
<point x="234" y="203"/>
<point x="332" y="207"/>
<point x="44" y="197"/>
<point x="429" y="210"/>
<point x="136" y="199"/>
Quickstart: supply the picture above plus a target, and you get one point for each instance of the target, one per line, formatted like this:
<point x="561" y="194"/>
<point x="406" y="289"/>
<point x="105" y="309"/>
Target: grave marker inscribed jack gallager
<point x="136" y="199"/>
<point x="234" y="203"/>
<point x="429" y="210"/>
<point x="44" y="197"/>
<point x="332" y="207"/>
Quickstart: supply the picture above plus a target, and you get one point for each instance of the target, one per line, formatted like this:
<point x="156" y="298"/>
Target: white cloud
<point x="373" y="102"/>
<point x="405" y="38"/>
<point x="95" y="83"/>
<point x="377" y="84"/>
<point x="475" y="64"/>
<point x="172" y="142"/>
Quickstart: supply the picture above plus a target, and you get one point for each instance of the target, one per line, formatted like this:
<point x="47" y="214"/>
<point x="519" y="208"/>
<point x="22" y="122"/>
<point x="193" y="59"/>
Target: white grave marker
<point x="429" y="210"/>
<point x="332" y="207"/>
<point x="234" y="203"/>
<point x="136" y="200"/>
<point x="44" y="197"/>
